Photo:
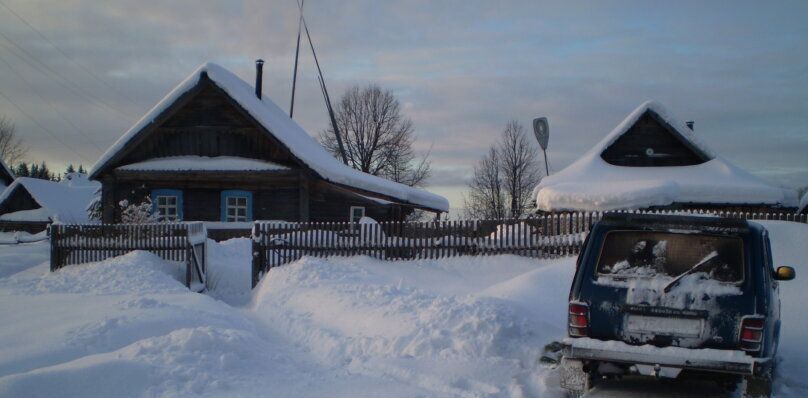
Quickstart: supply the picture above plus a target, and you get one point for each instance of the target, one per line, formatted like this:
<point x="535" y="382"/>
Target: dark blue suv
<point x="674" y="297"/>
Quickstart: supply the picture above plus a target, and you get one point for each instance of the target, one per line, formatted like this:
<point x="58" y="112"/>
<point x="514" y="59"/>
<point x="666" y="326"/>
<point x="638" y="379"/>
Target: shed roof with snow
<point x="37" y="200"/>
<point x="279" y="126"/>
<point x="651" y="159"/>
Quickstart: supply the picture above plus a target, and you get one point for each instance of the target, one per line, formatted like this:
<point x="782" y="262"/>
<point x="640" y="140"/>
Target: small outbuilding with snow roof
<point x="216" y="149"/>
<point x="654" y="161"/>
<point x="6" y="176"/>
<point x="30" y="204"/>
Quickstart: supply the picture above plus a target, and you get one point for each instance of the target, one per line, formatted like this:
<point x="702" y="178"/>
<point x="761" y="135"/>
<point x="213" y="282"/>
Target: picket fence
<point x="542" y="236"/>
<point x="72" y="244"/>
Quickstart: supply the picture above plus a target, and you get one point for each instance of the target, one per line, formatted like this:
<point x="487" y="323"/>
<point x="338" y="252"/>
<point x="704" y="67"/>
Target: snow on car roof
<point x="64" y="201"/>
<point x="592" y="184"/>
<point x="287" y="131"/>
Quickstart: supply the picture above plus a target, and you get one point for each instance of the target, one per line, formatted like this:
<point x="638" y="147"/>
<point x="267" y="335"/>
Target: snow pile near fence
<point x="127" y="327"/>
<point x="462" y="326"/>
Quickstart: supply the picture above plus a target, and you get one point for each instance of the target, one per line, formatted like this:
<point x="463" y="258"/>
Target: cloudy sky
<point x="80" y="73"/>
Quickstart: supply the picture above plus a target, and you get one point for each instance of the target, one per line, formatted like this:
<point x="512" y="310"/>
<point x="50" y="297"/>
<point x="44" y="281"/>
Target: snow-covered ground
<point x="459" y="327"/>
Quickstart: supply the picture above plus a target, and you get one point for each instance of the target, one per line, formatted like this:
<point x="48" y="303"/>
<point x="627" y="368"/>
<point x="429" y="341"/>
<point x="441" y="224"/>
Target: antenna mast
<point x="297" y="55"/>
<point x="324" y="89"/>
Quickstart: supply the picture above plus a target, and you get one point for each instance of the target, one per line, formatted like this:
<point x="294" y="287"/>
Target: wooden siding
<point x="209" y="124"/>
<point x="651" y="132"/>
<point x="19" y="200"/>
<point x="329" y="203"/>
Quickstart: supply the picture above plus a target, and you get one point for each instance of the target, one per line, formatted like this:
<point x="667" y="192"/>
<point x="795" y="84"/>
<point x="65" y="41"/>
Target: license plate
<point x="664" y="326"/>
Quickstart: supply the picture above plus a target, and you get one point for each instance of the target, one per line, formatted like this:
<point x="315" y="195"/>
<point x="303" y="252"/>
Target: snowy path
<point x="462" y="327"/>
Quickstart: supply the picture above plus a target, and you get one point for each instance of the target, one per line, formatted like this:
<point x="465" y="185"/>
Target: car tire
<point x="757" y="387"/>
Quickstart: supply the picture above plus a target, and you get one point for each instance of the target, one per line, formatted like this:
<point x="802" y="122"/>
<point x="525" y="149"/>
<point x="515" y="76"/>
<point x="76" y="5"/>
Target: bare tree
<point x="519" y="167"/>
<point x="486" y="198"/>
<point x="504" y="179"/>
<point x="377" y="137"/>
<point x="12" y="149"/>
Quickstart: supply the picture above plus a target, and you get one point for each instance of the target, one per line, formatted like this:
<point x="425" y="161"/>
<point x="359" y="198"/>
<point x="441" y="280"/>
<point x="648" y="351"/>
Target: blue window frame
<point x="167" y="204"/>
<point x="236" y="206"/>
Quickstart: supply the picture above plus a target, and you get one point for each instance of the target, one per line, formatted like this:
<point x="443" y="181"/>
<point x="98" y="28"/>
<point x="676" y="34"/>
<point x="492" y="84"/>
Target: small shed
<point x="652" y="160"/>
<point x="215" y="149"/>
<point x="6" y="175"/>
<point x="30" y="204"/>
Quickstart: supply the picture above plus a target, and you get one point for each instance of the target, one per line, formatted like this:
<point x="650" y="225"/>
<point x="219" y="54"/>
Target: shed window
<point x="167" y="204"/>
<point x="236" y="206"/>
<point x="357" y="212"/>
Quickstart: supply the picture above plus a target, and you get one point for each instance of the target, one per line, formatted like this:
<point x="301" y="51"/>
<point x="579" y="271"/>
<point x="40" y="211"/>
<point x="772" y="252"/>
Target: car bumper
<point x="708" y="360"/>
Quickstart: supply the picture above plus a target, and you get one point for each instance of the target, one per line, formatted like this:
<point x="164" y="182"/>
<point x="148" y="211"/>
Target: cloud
<point x="462" y="69"/>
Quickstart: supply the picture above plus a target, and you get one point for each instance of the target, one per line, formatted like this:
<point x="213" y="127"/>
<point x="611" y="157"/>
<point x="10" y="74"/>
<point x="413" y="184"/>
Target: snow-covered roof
<point x="203" y="163"/>
<point x="590" y="183"/>
<point x="285" y="130"/>
<point x="6" y="175"/>
<point x="64" y="201"/>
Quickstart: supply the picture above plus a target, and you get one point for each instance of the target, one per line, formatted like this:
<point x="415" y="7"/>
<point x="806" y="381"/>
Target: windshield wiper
<point x="692" y="269"/>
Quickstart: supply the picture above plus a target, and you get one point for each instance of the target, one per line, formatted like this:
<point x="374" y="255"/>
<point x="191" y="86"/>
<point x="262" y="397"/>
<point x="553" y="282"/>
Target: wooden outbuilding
<point x="215" y="149"/>
<point x="653" y="161"/>
<point x="6" y="176"/>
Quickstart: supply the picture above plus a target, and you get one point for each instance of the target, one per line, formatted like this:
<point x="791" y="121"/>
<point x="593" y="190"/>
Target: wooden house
<point x="30" y="204"/>
<point x="654" y="161"/>
<point x="215" y="149"/>
<point x="6" y="176"/>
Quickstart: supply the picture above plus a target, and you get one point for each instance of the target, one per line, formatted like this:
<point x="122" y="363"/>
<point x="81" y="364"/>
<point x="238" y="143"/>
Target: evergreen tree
<point x="34" y="171"/>
<point x="82" y="170"/>
<point x="70" y="169"/>
<point x="22" y="170"/>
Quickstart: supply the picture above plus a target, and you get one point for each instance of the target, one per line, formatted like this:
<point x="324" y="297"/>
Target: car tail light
<point x="578" y="319"/>
<point x="752" y="333"/>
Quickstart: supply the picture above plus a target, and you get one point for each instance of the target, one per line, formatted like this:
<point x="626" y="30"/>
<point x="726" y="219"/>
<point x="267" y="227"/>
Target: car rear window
<point x="651" y="254"/>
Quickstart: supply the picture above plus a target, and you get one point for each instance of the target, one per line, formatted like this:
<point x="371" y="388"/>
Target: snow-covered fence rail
<point x="181" y="242"/>
<point x="546" y="235"/>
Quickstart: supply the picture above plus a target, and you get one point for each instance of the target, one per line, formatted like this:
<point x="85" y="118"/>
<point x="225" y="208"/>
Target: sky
<point x="76" y="74"/>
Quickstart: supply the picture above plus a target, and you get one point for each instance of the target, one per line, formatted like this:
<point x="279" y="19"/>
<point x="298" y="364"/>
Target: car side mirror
<point x="784" y="274"/>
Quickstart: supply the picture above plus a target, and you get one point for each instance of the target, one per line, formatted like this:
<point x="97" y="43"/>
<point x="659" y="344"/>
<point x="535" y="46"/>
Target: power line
<point x="71" y="59"/>
<point x="68" y="83"/>
<point x="49" y="104"/>
<point x="47" y="130"/>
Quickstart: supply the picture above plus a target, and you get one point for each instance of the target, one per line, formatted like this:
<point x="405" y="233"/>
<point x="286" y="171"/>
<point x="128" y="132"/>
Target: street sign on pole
<point x="541" y="128"/>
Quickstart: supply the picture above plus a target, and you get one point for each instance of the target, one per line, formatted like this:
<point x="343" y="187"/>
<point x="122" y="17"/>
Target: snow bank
<point x="591" y="184"/>
<point x="287" y="131"/>
<point x="450" y="326"/>
<point x="65" y="201"/>
<point x="125" y="327"/>
<point x="204" y="163"/>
